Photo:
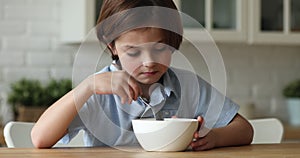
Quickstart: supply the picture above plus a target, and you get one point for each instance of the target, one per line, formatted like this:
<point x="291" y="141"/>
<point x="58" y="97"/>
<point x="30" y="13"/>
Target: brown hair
<point x="162" y="14"/>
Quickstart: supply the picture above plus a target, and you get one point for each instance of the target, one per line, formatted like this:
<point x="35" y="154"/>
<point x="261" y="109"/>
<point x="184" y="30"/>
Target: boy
<point x="141" y="36"/>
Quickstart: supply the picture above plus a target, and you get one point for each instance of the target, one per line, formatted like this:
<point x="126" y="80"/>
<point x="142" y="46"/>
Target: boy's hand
<point x="203" y="143"/>
<point x="119" y="83"/>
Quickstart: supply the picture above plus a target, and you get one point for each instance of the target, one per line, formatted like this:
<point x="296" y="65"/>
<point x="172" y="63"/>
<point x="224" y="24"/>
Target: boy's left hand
<point x="203" y="143"/>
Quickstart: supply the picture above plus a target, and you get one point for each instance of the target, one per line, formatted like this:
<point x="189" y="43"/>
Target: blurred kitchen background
<point x="259" y="41"/>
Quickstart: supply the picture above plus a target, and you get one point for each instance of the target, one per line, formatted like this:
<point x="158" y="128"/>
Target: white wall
<point x="258" y="74"/>
<point x="29" y="41"/>
<point x="30" y="47"/>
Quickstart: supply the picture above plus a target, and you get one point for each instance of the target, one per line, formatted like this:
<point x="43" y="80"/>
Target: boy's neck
<point x="145" y="90"/>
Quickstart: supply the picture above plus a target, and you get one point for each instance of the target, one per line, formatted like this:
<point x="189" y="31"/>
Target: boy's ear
<point x="112" y="49"/>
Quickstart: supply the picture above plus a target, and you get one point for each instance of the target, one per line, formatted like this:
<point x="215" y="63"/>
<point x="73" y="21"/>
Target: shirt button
<point x="167" y="113"/>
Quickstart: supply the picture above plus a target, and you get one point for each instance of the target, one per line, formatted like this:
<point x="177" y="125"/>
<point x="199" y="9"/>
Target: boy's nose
<point x="148" y="63"/>
<point x="148" y="59"/>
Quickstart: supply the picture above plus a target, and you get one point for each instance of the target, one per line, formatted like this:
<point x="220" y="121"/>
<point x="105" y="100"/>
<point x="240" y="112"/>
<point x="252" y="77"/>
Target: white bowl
<point x="173" y="134"/>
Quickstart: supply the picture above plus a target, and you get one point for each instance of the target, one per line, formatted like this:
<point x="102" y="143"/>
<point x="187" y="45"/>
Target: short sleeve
<point x="209" y="100"/>
<point x="230" y="109"/>
<point x="73" y="129"/>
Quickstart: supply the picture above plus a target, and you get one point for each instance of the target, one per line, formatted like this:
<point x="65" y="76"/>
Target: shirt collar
<point x="169" y="83"/>
<point x="115" y="65"/>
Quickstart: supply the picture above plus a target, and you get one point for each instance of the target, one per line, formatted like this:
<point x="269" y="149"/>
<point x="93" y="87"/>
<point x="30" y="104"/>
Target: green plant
<point x="292" y="90"/>
<point x="29" y="92"/>
<point x="56" y="89"/>
<point x="26" y="92"/>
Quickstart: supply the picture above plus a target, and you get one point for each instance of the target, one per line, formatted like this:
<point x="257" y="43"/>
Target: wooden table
<point x="266" y="151"/>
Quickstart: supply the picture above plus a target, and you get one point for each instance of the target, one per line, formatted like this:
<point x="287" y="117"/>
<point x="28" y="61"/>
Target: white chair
<point x="17" y="135"/>
<point x="267" y="131"/>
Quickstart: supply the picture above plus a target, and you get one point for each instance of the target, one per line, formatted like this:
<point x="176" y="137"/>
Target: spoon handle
<point x="157" y="117"/>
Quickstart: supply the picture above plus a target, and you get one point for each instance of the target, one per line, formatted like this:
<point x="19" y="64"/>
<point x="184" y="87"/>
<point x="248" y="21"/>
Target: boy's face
<point x="143" y="55"/>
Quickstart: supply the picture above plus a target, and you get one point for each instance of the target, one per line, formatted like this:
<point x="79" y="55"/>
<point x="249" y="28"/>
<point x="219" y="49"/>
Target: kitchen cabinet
<point x="291" y="133"/>
<point x="78" y="18"/>
<point x="238" y="21"/>
<point x="2" y="139"/>
<point x="274" y="21"/>
<point x="224" y="20"/>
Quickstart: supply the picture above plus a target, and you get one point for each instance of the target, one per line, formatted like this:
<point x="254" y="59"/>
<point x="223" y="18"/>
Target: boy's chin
<point x="147" y="82"/>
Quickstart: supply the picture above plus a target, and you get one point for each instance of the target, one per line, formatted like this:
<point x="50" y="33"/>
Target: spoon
<point x="148" y="107"/>
<point x="158" y="115"/>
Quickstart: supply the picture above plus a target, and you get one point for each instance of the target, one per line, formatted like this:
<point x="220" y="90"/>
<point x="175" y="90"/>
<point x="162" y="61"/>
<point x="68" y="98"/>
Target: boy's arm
<point x="238" y="132"/>
<point x="53" y="123"/>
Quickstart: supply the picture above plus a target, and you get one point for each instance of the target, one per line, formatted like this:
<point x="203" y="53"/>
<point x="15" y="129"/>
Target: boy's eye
<point x="160" y="47"/>
<point x="133" y="53"/>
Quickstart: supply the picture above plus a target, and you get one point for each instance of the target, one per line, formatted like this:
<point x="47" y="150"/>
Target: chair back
<point x="17" y="135"/>
<point x="267" y="131"/>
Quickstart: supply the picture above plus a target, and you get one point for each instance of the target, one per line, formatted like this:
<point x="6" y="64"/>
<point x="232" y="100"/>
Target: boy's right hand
<point x="117" y="82"/>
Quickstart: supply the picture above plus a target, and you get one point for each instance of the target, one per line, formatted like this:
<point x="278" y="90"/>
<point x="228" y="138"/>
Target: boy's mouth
<point x="149" y="73"/>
